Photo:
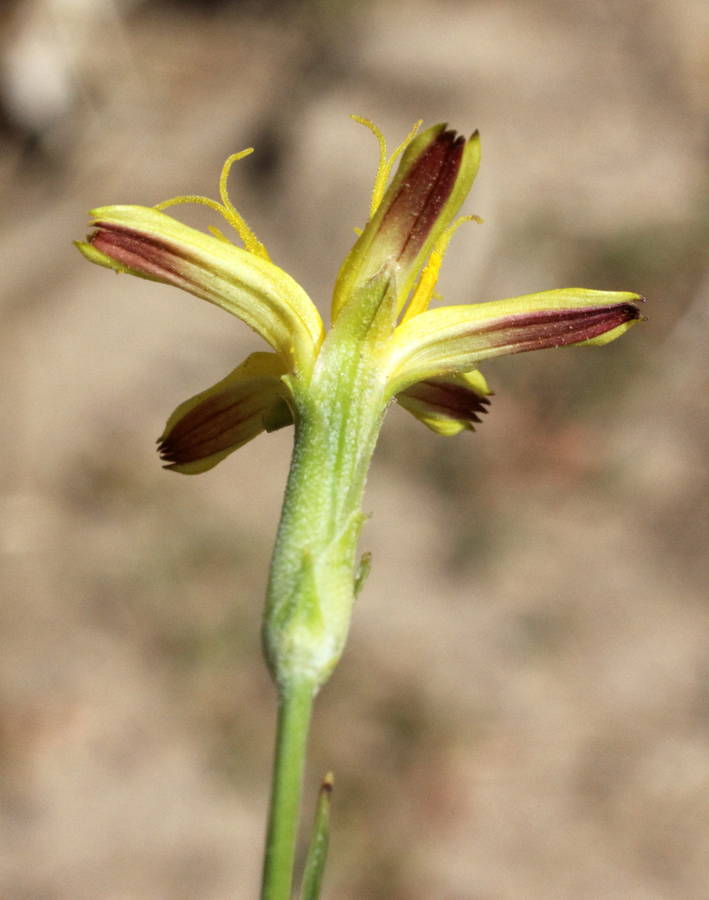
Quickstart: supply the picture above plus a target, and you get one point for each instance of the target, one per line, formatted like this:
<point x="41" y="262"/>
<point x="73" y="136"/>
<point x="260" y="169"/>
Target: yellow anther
<point x="380" y="182"/>
<point x="424" y="290"/>
<point x="225" y="208"/>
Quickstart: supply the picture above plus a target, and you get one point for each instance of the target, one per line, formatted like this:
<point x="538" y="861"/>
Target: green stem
<point x="311" y="586"/>
<point x="294" y="710"/>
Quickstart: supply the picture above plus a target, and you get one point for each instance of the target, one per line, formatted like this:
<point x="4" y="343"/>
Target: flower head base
<point x="425" y="358"/>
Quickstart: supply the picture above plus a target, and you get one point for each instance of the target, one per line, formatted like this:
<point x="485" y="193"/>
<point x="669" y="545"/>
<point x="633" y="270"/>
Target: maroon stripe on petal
<point x="423" y="193"/>
<point x="447" y="398"/>
<point x="214" y="425"/>
<point x="145" y="253"/>
<point x="557" y="328"/>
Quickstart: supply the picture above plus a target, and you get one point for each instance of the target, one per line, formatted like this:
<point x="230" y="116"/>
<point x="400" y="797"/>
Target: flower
<point x="425" y="358"/>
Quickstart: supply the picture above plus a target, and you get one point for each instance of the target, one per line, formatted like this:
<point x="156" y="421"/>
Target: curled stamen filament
<point x="226" y="209"/>
<point x="380" y="183"/>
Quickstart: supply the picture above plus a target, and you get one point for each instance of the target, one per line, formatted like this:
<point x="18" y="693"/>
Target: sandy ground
<point x="523" y="710"/>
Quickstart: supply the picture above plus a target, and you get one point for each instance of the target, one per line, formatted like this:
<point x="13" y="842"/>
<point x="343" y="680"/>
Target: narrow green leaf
<point x="319" y="841"/>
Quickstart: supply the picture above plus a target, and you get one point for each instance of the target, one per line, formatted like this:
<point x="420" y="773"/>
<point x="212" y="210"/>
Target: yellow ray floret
<point x="153" y="245"/>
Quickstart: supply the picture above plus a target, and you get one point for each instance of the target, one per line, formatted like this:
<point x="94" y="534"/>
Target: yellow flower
<point x="384" y="344"/>
<point x="425" y="358"/>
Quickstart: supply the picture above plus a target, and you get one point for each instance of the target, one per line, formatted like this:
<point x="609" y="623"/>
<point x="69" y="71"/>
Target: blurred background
<point x="523" y="707"/>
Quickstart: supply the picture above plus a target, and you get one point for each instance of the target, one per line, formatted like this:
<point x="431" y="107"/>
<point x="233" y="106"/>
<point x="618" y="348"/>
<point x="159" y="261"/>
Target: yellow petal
<point x="434" y="176"/>
<point x="153" y="245"/>
<point x="208" y="427"/>
<point x="449" y="403"/>
<point x="454" y="339"/>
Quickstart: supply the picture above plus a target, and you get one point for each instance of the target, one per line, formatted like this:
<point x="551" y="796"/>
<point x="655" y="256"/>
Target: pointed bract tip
<point x="328" y="783"/>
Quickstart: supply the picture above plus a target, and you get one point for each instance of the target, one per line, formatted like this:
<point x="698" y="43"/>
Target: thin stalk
<point x="294" y="710"/>
<point x="319" y="841"/>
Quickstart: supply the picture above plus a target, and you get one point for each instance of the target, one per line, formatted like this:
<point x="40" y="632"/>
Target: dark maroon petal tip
<point x="211" y="427"/>
<point x="449" y="398"/>
<point x="146" y="254"/>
